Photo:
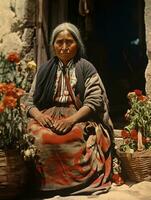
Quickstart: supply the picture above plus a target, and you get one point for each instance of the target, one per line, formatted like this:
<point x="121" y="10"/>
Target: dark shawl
<point x="46" y="77"/>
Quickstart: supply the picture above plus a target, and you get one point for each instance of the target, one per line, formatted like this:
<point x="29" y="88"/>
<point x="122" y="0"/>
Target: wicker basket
<point x="137" y="166"/>
<point x="12" y="174"/>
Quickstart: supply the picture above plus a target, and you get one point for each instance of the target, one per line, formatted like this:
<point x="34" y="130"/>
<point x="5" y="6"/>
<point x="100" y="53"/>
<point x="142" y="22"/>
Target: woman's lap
<point x="72" y="160"/>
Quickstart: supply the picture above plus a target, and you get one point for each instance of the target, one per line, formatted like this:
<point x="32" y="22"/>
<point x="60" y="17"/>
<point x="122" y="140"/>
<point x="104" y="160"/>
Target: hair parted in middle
<point x="74" y="32"/>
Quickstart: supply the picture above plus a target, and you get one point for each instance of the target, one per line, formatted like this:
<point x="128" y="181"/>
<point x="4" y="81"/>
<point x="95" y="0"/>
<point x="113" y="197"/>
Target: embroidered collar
<point x="61" y="65"/>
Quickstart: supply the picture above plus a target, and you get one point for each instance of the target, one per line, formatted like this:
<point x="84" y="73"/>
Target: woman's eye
<point x="64" y="42"/>
<point x="59" y="42"/>
<point x="69" y="42"/>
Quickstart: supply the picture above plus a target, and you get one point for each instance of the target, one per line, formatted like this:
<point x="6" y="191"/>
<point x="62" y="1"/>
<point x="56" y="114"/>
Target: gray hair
<point x="75" y="33"/>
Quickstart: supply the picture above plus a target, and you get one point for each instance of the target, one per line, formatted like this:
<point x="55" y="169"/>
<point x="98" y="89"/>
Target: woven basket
<point x="137" y="166"/>
<point x="12" y="174"/>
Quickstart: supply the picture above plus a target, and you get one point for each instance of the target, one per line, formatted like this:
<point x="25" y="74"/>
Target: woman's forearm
<point x="41" y="118"/>
<point x="34" y="112"/>
<point x="81" y="114"/>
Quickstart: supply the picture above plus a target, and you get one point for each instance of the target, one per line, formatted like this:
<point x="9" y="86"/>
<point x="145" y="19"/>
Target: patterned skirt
<point x="78" y="162"/>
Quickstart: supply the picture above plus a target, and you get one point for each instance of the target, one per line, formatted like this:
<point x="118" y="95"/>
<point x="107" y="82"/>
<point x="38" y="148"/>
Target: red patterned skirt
<point x="79" y="161"/>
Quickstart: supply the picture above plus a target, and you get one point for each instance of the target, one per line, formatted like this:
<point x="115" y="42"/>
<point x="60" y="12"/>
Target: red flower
<point x="117" y="179"/>
<point x="125" y="134"/>
<point x="138" y="92"/>
<point x="13" y="57"/>
<point x="134" y="134"/>
<point x="144" y="140"/>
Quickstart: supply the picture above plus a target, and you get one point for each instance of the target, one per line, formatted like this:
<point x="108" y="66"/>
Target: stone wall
<point x="148" y="41"/>
<point x="17" y="27"/>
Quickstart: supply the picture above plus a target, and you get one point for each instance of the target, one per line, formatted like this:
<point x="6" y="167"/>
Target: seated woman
<point x="69" y="119"/>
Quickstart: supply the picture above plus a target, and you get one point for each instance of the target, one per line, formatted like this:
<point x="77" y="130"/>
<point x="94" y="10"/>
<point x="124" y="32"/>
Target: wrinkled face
<point x="65" y="46"/>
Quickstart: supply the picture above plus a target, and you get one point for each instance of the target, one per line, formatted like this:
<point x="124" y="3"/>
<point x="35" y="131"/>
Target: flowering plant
<point x="14" y="83"/>
<point x="137" y="134"/>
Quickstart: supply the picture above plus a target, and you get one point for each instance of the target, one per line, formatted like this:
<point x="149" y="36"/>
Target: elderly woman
<point x="69" y="119"/>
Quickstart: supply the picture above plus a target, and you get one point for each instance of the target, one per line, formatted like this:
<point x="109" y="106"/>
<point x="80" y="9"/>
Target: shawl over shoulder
<point x="46" y="76"/>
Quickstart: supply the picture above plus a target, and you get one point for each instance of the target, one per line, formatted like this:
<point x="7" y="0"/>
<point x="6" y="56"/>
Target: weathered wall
<point x="148" y="40"/>
<point x="17" y="24"/>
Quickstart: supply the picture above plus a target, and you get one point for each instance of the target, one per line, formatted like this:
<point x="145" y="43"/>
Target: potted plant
<point x="15" y="144"/>
<point x="135" y="152"/>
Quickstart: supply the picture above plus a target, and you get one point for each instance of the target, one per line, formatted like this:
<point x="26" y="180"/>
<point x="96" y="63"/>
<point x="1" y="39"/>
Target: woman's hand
<point x="63" y="126"/>
<point x="44" y="120"/>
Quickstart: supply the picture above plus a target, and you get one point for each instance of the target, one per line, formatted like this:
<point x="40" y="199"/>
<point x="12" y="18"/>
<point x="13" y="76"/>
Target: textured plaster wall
<point x="148" y="40"/>
<point x="17" y="24"/>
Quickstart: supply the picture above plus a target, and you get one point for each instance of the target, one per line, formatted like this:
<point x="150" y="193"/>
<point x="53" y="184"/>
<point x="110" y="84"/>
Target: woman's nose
<point x="64" y="46"/>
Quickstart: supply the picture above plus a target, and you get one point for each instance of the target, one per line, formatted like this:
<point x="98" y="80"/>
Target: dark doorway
<point x="114" y="36"/>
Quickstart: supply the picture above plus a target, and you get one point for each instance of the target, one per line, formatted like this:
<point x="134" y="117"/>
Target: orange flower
<point x="2" y="107"/>
<point x="13" y="57"/>
<point x="10" y="101"/>
<point x="142" y="98"/>
<point x="125" y="134"/>
<point x="2" y="87"/>
<point x="19" y="92"/>
<point x="10" y="89"/>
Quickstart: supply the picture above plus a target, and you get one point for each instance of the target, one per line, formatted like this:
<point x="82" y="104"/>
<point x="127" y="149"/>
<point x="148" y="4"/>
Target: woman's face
<point x="65" y="46"/>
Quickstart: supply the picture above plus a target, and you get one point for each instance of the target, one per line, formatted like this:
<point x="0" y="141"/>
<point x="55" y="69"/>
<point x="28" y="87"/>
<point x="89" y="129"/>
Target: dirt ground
<point x="128" y="191"/>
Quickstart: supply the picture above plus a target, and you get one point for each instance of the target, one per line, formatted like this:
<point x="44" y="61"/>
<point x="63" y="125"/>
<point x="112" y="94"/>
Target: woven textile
<point x="79" y="161"/>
